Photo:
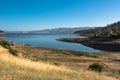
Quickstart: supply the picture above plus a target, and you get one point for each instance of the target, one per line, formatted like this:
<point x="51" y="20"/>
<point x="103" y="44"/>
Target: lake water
<point x="48" y="41"/>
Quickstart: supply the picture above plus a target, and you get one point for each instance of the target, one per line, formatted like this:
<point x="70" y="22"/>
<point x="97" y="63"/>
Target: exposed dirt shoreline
<point x="101" y="44"/>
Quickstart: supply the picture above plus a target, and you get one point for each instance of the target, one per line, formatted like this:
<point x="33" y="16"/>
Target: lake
<point x="48" y="41"/>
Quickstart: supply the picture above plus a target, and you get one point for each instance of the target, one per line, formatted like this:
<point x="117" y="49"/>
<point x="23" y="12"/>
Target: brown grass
<point x="16" y="68"/>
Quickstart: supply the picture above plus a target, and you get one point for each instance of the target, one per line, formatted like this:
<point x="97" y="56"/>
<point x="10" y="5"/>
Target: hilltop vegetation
<point x="112" y="30"/>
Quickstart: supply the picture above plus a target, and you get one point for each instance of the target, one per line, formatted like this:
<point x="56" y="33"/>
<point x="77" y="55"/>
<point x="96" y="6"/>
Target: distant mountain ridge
<point x="60" y="30"/>
<point x="53" y="31"/>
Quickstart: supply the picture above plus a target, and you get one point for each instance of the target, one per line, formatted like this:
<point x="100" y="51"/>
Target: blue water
<point x="48" y="41"/>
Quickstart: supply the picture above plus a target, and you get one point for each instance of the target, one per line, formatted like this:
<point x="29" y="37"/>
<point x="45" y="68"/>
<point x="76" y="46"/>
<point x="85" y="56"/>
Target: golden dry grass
<point x="39" y="66"/>
<point x="16" y="68"/>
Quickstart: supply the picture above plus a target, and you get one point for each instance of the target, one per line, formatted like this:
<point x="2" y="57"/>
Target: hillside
<point x="103" y="38"/>
<point x="111" y="30"/>
<point x="48" y="64"/>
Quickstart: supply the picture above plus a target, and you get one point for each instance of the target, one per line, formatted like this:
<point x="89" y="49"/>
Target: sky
<point x="25" y="15"/>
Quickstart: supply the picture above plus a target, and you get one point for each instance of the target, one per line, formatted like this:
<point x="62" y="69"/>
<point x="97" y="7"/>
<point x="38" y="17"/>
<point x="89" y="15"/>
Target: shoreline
<point x="94" y="43"/>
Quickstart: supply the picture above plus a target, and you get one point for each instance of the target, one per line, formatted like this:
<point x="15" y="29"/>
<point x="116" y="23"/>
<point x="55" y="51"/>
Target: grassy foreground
<point x="34" y="63"/>
<point x="16" y="68"/>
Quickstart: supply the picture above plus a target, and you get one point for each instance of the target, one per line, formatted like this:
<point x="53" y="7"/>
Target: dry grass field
<point x="52" y="64"/>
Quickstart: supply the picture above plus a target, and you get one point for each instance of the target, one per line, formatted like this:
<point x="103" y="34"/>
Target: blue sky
<point x="16" y="15"/>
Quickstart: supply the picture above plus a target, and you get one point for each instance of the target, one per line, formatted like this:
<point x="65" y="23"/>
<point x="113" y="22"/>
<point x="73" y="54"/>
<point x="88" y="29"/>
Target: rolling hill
<point x="111" y="30"/>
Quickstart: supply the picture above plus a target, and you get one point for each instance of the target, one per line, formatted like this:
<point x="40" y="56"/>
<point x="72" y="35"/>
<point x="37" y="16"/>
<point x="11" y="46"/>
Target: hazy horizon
<point x="29" y="15"/>
<point x="44" y="29"/>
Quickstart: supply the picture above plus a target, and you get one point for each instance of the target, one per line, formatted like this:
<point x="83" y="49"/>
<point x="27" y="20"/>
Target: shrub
<point x="116" y="71"/>
<point x="57" y="64"/>
<point x="14" y="52"/>
<point x="6" y="45"/>
<point x="97" y="67"/>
